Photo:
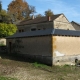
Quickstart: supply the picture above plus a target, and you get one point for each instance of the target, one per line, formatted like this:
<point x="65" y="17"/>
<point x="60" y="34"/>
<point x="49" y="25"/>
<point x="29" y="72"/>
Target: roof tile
<point x="38" y="20"/>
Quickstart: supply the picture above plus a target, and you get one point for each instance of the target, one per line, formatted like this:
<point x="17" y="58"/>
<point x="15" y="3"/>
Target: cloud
<point x="71" y="10"/>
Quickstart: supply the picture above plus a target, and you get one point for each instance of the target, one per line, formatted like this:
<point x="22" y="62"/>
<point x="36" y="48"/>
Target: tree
<point x="4" y="16"/>
<point x="48" y="13"/>
<point x="31" y="10"/>
<point x="19" y="10"/>
<point x="0" y="6"/>
<point x="38" y="15"/>
<point x="7" y="29"/>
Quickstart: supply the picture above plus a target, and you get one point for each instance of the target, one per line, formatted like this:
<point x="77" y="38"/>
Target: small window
<point x="22" y="30"/>
<point x="33" y="29"/>
<point x="44" y="28"/>
<point x="19" y="30"/>
<point x="39" y="29"/>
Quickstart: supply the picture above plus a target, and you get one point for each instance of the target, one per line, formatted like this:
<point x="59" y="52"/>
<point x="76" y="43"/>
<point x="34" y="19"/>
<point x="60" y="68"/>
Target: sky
<point x="70" y="8"/>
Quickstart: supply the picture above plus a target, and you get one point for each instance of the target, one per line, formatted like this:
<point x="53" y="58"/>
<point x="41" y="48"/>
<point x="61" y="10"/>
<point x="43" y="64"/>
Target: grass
<point x="36" y="64"/>
<point x="6" y="78"/>
<point x="39" y="71"/>
<point x="2" y="45"/>
<point x="60" y="72"/>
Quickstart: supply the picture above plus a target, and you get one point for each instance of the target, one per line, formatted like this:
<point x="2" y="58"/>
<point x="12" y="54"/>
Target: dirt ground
<point x="33" y="71"/>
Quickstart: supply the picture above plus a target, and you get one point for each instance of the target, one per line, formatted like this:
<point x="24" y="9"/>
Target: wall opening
<point x="33" y="29"/>
<point x="10" y="44"/>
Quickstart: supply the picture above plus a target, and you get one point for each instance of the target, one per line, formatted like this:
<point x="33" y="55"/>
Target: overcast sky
<point x="70" y="8"/>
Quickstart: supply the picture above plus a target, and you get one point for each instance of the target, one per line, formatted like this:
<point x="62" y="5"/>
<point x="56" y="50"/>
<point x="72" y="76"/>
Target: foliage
<point x="7" y="29"/>
<point x="0" y="6"/>
<point x="3" y="13"/>
<point x="48" y="13"/>
<point x="4" y="16"/>
<point x="38" y="15"/>
<point x="19" y="10"/>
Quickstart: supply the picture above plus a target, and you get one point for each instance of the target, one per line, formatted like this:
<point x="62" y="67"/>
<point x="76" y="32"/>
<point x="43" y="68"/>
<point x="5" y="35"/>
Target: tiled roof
<point x="32" y="33"/>
<point x="75" y="23"/>
<point x="46" y="32"/>
<point x="38" y="20"/>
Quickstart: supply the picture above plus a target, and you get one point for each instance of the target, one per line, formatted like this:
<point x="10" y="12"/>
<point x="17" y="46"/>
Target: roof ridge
<point x="76" y="23"/>
<point x="38" y="20"/>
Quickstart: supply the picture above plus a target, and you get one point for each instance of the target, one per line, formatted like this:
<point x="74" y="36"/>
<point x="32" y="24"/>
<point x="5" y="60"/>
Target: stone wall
<point x="38" y="48"/>
<point x="3" y="49"/>
<point x="65" y="48"/>
<point x="62" y="23"/>
<point x="39" y="26"/>
<point x="66" y="60"/>
<point x="56" y="50"/>
<point x="76" y="26"/>
<point x="66" y="45"/>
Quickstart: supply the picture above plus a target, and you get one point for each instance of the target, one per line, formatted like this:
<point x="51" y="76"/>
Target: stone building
<point x="50" y="40"/>
<point x="76" y="25"/>
<point x="58" y="21"/>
